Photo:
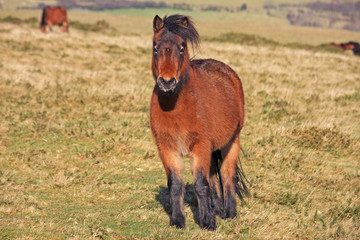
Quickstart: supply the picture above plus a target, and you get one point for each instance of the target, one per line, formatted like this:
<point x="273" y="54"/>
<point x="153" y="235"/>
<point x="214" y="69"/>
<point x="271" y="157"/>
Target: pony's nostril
<point x="161" y="80"/>
<point x="167" y="82"/>
<point x="172" y="81"/>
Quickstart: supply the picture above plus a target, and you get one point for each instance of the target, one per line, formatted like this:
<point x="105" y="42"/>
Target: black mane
<point x="173" y="24"/>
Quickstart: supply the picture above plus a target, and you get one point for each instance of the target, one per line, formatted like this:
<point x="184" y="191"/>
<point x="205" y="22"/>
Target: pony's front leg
<point x="215" y="184"/>
<point x="176" y="189"/>
<point x="173" y="165"/>
<point x="50" y="25"/>
<point x="66" y="26"/>
<point x="201" y="170"/>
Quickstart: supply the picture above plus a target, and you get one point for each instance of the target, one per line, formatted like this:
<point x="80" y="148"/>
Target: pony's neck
<point x="166" y="102"/>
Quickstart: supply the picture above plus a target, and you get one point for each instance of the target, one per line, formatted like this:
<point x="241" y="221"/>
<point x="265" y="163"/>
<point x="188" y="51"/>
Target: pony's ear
<point x="184" y="22"/>
<point x="158" y="24"/>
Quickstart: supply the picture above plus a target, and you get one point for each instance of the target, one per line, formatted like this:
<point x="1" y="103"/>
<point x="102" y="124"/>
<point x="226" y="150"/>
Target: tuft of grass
<point x="11" y="19"/>
<point x="16" y="20"/>
<point x="322" y="139"/>
<point x="276" y="110"/>
<point x="325" y="47"/>
<point x="244" y="39"/>
<point x="99" y="26"/>
<point x="288" y="199"/>
<point x="339" y="213"/>
<point x="355" y="97"/>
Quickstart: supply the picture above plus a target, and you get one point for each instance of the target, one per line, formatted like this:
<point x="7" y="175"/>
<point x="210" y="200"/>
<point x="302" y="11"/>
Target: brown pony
<point x="354" y="46"/>
<point x="54" y="15"/>
<point x="197" y="110"/>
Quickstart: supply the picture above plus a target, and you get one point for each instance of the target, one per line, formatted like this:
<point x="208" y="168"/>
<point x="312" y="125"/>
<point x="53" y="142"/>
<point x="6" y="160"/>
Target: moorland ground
<point x="77" y="159"/>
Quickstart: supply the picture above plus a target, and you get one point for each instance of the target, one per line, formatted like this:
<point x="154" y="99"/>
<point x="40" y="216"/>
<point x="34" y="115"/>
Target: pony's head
<point x="170" y="60"/>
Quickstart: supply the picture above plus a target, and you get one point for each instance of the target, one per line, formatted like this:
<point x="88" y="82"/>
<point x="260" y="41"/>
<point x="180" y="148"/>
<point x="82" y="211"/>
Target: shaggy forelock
<point x="173" y="24"/>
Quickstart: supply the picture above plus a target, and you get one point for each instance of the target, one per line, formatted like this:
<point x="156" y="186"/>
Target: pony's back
<point x="63" y="11"/>
<point x="219" y="73"/>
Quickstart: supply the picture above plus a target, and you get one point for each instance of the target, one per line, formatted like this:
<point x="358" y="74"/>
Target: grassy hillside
<point x="77" y="159"/>
<point x="210" y="24"/>
<point x="11" y="4"/>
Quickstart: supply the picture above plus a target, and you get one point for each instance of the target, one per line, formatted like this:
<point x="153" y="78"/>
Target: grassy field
<point x="77" y="159"/>
<point x="210" y="24"/>
<point x="258" y="4"/>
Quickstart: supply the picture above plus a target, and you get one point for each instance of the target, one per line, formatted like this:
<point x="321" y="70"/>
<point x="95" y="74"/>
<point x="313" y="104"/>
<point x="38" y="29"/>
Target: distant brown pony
<point x="54" y="16"/>
<point x="197" y="110"/>
<point x="354" y="46"/>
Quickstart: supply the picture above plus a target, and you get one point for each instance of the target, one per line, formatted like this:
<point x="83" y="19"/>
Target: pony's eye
<point x="182" y="48"/>
<point x="155" y="50"/>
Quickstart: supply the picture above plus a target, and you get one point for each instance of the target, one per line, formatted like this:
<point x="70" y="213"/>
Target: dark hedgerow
<point x="256" y="40"/>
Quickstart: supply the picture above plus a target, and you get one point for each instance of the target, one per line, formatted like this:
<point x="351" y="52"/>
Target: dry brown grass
<point x="210" y="24"/>
<point x="77" y="159"/>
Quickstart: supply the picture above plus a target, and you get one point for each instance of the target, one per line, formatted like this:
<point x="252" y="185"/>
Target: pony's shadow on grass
<point x="189" y="199"/>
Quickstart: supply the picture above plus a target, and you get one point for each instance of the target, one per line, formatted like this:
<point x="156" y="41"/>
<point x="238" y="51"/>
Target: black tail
<point x="240" y="183"/>
<point x="42" y="23"/>
<point x="241" y="188"/>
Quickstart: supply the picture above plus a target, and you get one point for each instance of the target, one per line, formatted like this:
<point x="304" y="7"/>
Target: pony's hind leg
<point x="61" y="26"/>
<point x="50" y="25"/>
<point x="216" y="184"/>
<point x="66" y="26"/>
<point x="228" y="175"/>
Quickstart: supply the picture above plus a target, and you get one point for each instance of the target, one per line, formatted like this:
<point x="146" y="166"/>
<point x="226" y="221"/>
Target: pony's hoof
<point x="178" y="222"/>
<point x="219" y="212"/>
<point x="230" y="214"/>
<point x="208" y="224"/>
<point x="211" y="227"/>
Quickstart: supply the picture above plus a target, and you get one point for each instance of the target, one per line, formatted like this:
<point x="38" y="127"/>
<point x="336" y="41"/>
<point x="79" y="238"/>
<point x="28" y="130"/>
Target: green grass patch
<point x="355" y="97"/>
<point x="245" y="39"/>
<point x="99" y="26"/>
<point x="16" y="20"/>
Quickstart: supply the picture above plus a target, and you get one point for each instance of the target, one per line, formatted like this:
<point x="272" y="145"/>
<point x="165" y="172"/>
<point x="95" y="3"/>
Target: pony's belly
<point x="224" y="135"/>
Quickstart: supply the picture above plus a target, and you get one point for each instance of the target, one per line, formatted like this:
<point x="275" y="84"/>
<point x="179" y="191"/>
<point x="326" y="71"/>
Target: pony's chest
<point x="176" y="133"/>
<point x="183" y="118"/>
<point x="181" y="142"/>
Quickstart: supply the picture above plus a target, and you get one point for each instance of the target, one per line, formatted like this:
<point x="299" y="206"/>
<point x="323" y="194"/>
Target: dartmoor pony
<point x="54" y="15"/>
<point x="354" y="46"/>
<point x="197" y="110"/>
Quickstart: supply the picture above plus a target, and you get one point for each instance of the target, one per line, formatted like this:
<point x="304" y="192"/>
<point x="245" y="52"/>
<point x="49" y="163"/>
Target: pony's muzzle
<point x="167" y="86"/>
